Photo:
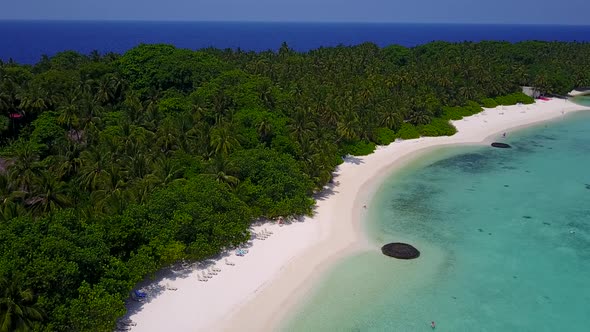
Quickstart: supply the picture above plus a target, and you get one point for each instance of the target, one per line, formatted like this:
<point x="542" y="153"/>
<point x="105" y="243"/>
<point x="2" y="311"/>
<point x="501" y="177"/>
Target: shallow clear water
<point x="504" y="236"/>
<point x="582" y="100"/>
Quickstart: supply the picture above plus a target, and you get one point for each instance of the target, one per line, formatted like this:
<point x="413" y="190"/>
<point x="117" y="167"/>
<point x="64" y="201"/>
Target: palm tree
<point x="137" y="161"/>
<point x="69" y="112"/>
<point x="36" y="100"/>
<point x="4" y="123"/>
<point x="165" y="171"/>
<point x="112" y="196"/>
<point x="49" y="194"/>
<point x="300" y="125"/>
<point x="18" y="309"/>
<point x="10" y="210"/>
<point x="167" y="135"/>
<point x="143" y="188"/>
<point x="67" y="162"/>
<point x="26" y="165"/>
<point x="135" y="110"/>
<point x="349" y="127"/>
<point x="222" y="141"/>
<point x="94" y="56"/>
<point x="419" y="116"/>
<point x="94" y="167"/>
<point x="265" y="94"/>
<point x="198" y="137"/>
<point x="221" y="168"/>
<point x="468" y="92"/>
<point x="5" y="104"/>
<point x="106" y="90"/>
<point x="265" y="130"/>
<point x="390" y="117"/>
<point x="10" y="199"/>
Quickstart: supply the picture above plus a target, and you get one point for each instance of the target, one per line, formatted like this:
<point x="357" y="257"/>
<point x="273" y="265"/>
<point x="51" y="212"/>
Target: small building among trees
<point x="531" y="91"/>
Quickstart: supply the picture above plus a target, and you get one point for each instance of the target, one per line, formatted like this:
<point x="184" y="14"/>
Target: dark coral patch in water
<point x="400" y="250"/>
<point x="468" y="162"/>
<point x="501" y="145"/>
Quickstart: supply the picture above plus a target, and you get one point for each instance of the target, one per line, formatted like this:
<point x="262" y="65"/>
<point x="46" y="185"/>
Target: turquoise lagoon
<point x="504" y="236"/>
<point x="582" y="100"/>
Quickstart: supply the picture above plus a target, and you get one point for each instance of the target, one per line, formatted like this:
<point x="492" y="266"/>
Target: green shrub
<point x="174" y="105"/>
<point x="407" y="131"/>
<point x="4" y="123"/>
<point x="459" y="112"/>
<point x="47" y="130"/>
<point x="383" y="136"/>
<point x="452" y="113"/>
<point x="358" y="148"/>
<point x="437" y="127"/>
<point x="514" y="98"/>
<point x="489" y="103"/>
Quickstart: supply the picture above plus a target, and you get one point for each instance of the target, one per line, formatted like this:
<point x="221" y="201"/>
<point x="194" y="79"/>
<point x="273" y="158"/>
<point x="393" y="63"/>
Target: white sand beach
<point x="575" y="93"/>
<point x="270" y="281"/>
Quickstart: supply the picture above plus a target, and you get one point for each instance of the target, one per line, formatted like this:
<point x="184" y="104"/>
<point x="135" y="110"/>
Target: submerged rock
<point x="501" y="145"/>
<point x="400" y="250"/>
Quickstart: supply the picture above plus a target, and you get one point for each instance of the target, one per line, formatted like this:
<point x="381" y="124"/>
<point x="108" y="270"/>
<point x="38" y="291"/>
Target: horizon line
<point x="278" y="22"/>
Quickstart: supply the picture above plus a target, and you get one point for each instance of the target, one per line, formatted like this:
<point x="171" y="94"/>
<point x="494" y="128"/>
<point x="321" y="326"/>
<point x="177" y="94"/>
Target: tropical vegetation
<point x="114" y="166"/>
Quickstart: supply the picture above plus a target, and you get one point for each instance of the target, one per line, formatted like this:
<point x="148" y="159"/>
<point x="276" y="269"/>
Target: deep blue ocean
<point x="26" y="41"/>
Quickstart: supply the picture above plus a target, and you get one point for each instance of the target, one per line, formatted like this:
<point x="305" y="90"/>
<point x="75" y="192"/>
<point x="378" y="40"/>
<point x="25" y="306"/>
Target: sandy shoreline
<point x="264" y="287"/>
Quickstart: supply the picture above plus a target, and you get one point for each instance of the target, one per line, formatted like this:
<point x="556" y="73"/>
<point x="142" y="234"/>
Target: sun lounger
<point x="227" y="262"/>
<point x="140" y="294"/>
<point x="127" y="322"/>
<point x="125" y="325"/>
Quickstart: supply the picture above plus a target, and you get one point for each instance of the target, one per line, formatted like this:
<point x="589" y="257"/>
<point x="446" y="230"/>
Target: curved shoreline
<point x="263" y="290"/>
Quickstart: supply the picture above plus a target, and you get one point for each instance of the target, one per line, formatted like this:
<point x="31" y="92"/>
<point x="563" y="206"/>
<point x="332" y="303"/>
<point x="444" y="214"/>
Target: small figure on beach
<point x="433" y="325"/>
<point x="504" y="135"/>
<point x="364" y="206"/>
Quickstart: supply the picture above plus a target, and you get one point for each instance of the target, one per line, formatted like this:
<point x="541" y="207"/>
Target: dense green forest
<point x="114" y="166"/>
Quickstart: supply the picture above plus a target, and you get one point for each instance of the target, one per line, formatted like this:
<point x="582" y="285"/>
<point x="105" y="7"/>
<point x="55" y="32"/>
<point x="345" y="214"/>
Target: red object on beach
<point x="15" y="115"/>
<point x="544" y="98"/>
